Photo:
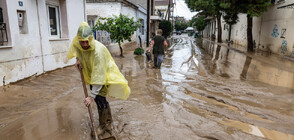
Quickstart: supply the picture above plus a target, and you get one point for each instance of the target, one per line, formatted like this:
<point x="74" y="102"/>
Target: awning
<point x="189" y="29"/>
<point x="209" y="18"/>
<point x="155" y="18"/>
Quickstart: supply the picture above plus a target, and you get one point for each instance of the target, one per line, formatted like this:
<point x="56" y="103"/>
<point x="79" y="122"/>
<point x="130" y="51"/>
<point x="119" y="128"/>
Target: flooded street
<point x="203" y="91"/>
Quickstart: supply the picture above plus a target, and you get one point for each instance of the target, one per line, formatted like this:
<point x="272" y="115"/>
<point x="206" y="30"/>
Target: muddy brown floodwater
<point x="202" y="91"/>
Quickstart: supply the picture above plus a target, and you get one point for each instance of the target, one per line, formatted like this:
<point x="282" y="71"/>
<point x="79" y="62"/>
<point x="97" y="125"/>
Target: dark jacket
<point x="158" y="47"/>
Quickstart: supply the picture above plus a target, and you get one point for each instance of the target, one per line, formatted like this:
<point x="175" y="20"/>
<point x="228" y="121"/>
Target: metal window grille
<point x="3" y="31"/>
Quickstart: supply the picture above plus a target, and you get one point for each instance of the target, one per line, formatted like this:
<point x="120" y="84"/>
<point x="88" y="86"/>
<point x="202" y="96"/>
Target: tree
<point x="200" y="23"/>
<point x="192" y="21"/>
<point x="166" y="27"/>
<point x="209" y="8"/>
<point x="250" y="7"/>
<point x="120" y="28"/>
<point x="230" y="15"/>
<point x="180" y="26"/>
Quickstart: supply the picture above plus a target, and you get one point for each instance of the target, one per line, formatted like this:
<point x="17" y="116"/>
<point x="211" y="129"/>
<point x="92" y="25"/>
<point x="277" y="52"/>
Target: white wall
<point x="284" y="19"/>
<point x="263" y="27"/>
<point x="142" y="14"/>
<point x="131" y="12"/>
<point x="34" y="53"/>
<point x="239" y="31"/>
<point x="23" y="58"/>
<point x="108" y="9"/>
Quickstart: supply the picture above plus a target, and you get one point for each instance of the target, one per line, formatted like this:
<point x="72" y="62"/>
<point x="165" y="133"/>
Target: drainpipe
<point x="85" y="16"/>
<point x="40" y="34"/>
<point x="259" y="31"/>
<point x="230" y="32"/>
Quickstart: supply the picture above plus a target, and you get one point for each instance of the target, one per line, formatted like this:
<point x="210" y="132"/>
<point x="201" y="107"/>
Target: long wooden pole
<point x="89" y="107"/>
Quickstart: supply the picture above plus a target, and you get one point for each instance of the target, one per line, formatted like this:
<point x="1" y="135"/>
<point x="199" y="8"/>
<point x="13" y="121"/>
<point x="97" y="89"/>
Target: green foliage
<point x="250" y="7"/>
<point x="139" y="51"/>
<point x="232" y="8"/>
<point x="180" y="26"/>
<point x="120" y="27"/>
<point x="200" y="23"/>
<point x="207" y="7"/>
<point x="231" y="17"/>
<point x="192" y="21"/>
<point x="166" y="27"/>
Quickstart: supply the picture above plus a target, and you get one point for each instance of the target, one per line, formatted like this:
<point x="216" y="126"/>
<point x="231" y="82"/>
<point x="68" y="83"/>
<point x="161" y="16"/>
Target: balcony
<point x="157" y="15"/>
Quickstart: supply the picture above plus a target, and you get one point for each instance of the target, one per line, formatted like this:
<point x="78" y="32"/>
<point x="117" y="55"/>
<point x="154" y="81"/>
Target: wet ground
<point x="202" y="91"/>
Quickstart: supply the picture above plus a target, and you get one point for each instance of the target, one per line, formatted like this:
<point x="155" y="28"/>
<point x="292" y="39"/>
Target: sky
<point x="182" y="10"/>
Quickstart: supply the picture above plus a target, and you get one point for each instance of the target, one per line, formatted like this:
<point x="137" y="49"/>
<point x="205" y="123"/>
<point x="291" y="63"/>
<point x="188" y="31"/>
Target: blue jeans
<point x="157" y="59"/>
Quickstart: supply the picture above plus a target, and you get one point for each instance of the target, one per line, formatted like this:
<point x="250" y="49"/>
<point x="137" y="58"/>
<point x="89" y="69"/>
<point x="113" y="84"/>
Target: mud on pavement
<point x="193" y="96"/>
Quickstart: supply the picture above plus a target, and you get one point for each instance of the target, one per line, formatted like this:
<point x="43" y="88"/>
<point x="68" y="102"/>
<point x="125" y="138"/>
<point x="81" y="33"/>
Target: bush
<point x="139" y="51"/>
<point x="200" y="23"/>
<point x="120" y="28"/>
<point x="166" y="28"/>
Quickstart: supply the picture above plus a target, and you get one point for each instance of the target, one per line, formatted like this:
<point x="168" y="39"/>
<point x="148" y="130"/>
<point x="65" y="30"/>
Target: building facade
<point x="164" y="8"/>
<point x="104" y="8"/>
<point x="142" y="31"/>
<point x="35" y="36"/>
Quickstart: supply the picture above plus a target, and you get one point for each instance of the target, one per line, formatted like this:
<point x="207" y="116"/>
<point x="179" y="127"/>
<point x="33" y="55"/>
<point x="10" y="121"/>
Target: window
<point x="53" y="21"/>
<point x="91" y="23"/>
<point x="142" y="26"/>
<point x="1" y="15"/>
<point x="4" y="25"/>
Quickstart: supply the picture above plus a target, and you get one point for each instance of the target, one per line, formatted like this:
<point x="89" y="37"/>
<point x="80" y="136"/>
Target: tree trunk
<point x="245" y="67"/>
<point x="219" y="29"/>
<point x="230" y="32"/>
<point x="121" y="51"/>
<point x="140" y="41"/>
<point x="249" y="33"/>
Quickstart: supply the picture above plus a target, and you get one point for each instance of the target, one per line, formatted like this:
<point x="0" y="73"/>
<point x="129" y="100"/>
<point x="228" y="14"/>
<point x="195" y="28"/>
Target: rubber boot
<point x="103" y="113"/>
<point x="109" y="120"/>
<point x="109" y="117"/>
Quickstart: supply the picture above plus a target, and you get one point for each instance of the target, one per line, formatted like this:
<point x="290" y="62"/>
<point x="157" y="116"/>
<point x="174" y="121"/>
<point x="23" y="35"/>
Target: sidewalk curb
<point x="225" y="45"/>
<point x="287" y="68"/>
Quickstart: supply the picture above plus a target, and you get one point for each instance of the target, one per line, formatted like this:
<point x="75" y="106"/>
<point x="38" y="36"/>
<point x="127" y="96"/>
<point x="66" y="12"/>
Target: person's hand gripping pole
<point x="79" y="67"/>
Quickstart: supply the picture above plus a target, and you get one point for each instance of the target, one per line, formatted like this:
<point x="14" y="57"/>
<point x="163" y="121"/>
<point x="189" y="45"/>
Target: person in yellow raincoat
<point x="100" y="72"/>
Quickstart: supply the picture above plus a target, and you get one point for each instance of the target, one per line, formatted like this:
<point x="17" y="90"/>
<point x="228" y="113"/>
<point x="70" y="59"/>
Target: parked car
<point x="178" y="33"/>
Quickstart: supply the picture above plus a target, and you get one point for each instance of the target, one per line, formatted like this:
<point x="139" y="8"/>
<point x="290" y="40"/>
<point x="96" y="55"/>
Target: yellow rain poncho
<point x="98" y="65"/>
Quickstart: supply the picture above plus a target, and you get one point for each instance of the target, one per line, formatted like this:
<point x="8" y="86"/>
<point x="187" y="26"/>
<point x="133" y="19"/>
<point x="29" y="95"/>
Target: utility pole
<point x="167" y="14"/>
<point x="148" y="22"/>
<point x="168" y="10"/>
<point x="174" y="3"/>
